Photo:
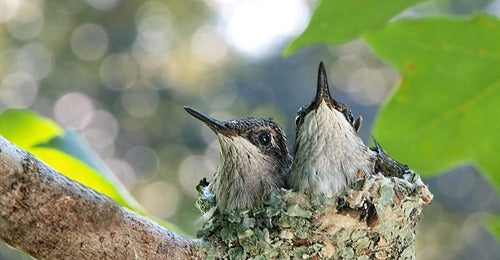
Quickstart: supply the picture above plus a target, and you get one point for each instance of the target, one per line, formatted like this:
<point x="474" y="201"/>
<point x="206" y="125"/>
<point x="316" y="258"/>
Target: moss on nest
<point x="376" y="219"/>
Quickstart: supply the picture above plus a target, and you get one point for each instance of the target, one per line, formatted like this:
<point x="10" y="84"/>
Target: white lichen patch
<point x="375" y="220"/>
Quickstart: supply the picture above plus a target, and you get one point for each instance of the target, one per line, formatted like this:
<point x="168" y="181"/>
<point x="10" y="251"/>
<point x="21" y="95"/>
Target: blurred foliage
<point x="443" y="112"/>
<point x="18" y="127"/>
<point x="449" y="93"/>
<point x="493" y="224"/>
<point x="67" y="153"/>
<point x="356" y="17"/>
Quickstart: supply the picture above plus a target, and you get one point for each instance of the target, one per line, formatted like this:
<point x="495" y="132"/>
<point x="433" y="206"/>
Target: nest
<point x="375" y="219"/>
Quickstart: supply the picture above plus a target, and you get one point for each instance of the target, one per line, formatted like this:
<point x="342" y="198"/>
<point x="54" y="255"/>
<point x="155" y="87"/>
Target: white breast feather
<point x="329" y="154"/>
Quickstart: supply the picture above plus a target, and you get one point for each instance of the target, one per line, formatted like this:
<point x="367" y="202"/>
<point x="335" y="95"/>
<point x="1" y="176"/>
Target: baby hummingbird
<point x="254" y="160"/>
<point x="328" y="152"/>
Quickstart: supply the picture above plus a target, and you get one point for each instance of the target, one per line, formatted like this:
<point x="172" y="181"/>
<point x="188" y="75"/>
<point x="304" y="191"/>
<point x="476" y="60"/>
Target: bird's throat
<point x="244" y="176"/>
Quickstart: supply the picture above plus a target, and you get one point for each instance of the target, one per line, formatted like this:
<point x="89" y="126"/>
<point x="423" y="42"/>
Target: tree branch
<point x="52" y="217"/>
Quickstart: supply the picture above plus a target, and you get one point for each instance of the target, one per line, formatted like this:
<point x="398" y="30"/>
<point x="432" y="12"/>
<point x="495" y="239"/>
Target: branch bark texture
<point x="52" y="217"/>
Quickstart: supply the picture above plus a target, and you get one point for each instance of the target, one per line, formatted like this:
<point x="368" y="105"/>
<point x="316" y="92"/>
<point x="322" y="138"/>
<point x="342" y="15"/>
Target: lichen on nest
<point x="376" y="219"/>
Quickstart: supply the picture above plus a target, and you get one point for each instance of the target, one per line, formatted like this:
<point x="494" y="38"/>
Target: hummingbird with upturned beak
<point x="254" y="160"/>
<point x="328" y="153"/>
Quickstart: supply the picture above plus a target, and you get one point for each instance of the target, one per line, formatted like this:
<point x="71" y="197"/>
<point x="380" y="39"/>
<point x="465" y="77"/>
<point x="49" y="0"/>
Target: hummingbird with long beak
<point x="328" y="152"/>
<point x="254" y="160"/>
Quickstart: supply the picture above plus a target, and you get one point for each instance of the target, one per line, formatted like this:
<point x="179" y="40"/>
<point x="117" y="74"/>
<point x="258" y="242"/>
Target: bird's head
<point x="324" y="103"/>
<point x="250" y="144"/>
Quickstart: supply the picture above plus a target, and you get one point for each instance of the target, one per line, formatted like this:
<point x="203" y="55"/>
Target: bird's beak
<point x="217" y="126"/>
<point x="322" y="91"/>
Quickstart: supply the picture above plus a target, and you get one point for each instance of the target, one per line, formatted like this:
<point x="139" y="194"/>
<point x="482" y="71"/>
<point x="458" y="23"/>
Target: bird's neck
<point x="244" y="174"/>
<point x="329" y="153"/>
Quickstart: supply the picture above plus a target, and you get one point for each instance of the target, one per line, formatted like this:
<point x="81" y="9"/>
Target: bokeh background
<point x="118" y="72"/>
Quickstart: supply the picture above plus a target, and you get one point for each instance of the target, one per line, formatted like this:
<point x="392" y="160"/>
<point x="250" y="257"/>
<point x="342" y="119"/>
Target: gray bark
<point x="52" y="217"/>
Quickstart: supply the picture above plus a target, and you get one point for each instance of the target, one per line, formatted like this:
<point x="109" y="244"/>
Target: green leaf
<point x="493" y="225"/>
<point x="76" y="170"/>
<point x="26" y="129"/>
<point x="67" y="153"/>
<point x="446" y="110"/>
<point x="339" y="21"/>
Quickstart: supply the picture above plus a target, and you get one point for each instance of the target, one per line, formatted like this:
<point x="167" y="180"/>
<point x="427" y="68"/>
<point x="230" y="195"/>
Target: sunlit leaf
<point x="26" y="129"/>
<point x="493" y="225"/>
<point x="339" y="21"/>
<point x="445" y="111"/>
<point x="78" y="171"/>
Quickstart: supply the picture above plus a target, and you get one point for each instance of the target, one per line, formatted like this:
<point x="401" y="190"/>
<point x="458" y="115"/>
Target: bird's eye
<point x="264" y="138"/>
<point x="297" y="120"/>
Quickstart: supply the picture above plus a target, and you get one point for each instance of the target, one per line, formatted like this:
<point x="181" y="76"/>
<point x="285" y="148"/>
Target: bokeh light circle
<point x="102" y="129"/>
<point x="73" y="110"/>
<point x="18" y="90"/>
<point x="192" y="169"/>
<point x="37" y="59"/>
<point x="8" y="9"/>
<point x="208" y="45"/>
<point x="144" y="161"/>
<point x="89" y="41"/>
<point x="117" y="71"/>
<point x="140" y="101"/>
<point x="27" y="22"/>
<point x="160" y="198"/>
<point x="255" y="27"/>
